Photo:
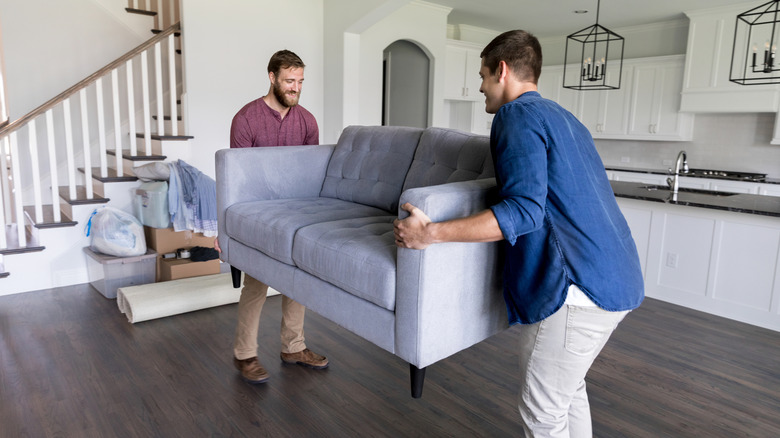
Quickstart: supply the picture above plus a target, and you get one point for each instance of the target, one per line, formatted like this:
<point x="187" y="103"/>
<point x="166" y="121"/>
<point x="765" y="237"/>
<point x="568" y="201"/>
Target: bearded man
<point x="275" y="119"/>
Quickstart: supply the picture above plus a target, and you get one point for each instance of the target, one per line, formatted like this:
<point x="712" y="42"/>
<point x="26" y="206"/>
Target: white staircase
<point x="77" y="151"/>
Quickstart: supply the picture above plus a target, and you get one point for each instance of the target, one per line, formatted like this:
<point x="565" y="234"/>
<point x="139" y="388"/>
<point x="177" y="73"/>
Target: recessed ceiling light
<point x="581" y="11"/>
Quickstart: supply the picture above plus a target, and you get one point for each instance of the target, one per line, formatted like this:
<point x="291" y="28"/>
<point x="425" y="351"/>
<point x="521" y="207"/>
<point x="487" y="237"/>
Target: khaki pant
<point x="250" y="305"/>
<point x="555" y="355"/>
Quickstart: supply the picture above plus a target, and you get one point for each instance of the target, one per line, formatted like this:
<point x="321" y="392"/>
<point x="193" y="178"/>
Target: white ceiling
<point x="545" y="18"/>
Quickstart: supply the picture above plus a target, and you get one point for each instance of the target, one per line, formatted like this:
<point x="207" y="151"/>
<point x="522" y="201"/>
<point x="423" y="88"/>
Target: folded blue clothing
<point x="192" y="199"/>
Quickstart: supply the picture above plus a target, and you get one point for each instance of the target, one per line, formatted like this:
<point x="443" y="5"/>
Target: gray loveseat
<point x="316" y="224"/>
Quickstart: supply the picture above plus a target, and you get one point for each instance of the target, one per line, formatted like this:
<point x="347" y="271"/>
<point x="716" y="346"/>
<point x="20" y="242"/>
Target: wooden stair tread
<point x="156" y="31"/>
<point x="140" y="157"/>
<point x="167" y="118"/>
<point x="165" y="137"/>
<point x="111" y="175"/>
<point x="81" y="196"/>
<point x="22" y="250"/>
<point x="140" y="12"/>
<point x="48" y="217"/>
<point x="13" y="243"/>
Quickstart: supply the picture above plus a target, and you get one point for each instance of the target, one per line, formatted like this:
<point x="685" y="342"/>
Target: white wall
<point x="344" y="20"/>
<point x="422" y="23"/>
<point x="356" y="34"/>
<point x="226" y="51"/>
<point x="51" y="45"/>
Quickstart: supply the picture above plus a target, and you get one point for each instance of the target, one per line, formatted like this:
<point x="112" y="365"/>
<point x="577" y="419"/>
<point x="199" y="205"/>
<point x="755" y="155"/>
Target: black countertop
<point x="738" y="203"/>
<point x="666" y="172"/>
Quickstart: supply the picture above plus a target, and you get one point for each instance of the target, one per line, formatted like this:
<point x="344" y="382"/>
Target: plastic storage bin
<point x="150" y="204"/>
<point x="109" y="273"/>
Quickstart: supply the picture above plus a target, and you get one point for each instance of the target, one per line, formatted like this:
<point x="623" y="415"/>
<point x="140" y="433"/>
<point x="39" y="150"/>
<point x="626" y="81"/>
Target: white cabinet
<point x="469" y="116"/>
<point x="461" y="79"/>
<point x="645" y="107"/>
<point x="605" y="112"/>
<point x="655" y="101"/>
<point x="550" y="86"/>
<point x="706" y="84"/>
<point x="720" y="262"/>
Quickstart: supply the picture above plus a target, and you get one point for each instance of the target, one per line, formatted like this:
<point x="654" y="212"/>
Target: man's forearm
<point x="480" y="227"/>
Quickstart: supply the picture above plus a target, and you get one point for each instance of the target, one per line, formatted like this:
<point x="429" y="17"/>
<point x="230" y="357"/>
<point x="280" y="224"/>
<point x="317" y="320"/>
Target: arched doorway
<point x="406" y="85"/>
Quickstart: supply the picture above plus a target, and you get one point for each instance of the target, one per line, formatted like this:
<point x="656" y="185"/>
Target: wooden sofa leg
<point x="418" y="378"/>
<point x="235" y="273"/>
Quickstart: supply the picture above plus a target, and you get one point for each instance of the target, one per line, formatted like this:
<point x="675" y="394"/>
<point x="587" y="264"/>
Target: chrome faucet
<point x="682" y="162"/>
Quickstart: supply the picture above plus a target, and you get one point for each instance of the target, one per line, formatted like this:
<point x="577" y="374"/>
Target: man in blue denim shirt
<point x="571" y="271"/>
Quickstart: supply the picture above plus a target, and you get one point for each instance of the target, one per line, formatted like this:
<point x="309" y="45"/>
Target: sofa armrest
<point x="253" y="174"/>
<point x="448" y="296"/>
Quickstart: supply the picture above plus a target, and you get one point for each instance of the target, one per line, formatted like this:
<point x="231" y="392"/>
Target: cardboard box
<point x="174" y="269"/>
<point x="108" y="273"/>
<point x="165" y="240"/>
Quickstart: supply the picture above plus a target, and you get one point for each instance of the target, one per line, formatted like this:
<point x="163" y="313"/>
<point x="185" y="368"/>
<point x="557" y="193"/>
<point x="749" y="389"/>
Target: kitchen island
<point x="716" y="252"/>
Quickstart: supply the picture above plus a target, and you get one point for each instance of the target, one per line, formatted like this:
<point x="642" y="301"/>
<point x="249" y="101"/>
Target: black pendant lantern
<point x="594" y="58"/>
<point x="755" y="45"/>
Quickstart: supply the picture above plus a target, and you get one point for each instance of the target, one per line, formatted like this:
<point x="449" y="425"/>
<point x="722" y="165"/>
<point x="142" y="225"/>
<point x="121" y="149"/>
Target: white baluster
<point x="87" y="155"/>
<point x="5" y="184"/>
<point x="69" y="152"/>
<point x="101" y="121"/>
<point x="32" y="132"/>
<point x="117" y="121"/>
<point x="131" y="108"/>
<point x="21" y="227"/>
<point x="3" y="240"/>
<point x="172" y="85"/>
<point x="145" y="93"/>
<point x="158" y="88"/>
<point x="53" y="171"/>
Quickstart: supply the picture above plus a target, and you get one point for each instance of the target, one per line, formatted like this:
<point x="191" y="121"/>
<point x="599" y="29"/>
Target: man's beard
<point x="288" y="99"/>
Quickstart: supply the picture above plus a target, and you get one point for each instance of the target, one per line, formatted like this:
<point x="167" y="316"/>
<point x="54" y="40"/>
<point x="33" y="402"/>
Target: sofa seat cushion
<point x="357" y="255"/>
<point x="270" y="226"/>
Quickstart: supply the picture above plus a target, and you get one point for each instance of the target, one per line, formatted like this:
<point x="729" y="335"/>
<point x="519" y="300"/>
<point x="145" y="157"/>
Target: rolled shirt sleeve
<point x="520" y="157"/>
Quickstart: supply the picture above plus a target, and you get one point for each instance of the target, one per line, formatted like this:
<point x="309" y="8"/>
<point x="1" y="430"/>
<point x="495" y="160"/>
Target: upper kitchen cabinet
<point x="706" y="84"/>
<point x="655" y="100"/>
<point x="645" y="107"/>
<point x="461" y="80"/>
<point x="550" y="86"/>
<point x="605" y="112"/>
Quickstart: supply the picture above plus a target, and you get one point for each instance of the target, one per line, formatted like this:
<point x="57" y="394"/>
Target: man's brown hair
<point x="520" y="50"/>
<point x="284" y="59"/>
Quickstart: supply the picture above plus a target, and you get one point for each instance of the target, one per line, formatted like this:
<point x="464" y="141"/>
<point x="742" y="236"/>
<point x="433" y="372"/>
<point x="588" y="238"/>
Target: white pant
<point x="555" y="355"/>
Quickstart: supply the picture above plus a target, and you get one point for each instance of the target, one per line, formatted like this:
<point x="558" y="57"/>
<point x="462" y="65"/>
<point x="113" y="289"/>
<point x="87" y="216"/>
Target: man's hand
<point x="216" y="245"/>
<point x="412" y="232"/>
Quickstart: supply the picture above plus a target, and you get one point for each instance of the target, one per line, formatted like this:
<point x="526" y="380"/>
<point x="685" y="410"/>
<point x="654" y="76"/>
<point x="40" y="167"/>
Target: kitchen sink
<point x="688" y="190"/>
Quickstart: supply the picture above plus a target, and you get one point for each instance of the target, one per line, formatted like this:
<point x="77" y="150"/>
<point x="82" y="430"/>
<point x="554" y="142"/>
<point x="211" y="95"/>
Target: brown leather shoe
<point x="251" y="370"/>
<point x="306" y="358"/>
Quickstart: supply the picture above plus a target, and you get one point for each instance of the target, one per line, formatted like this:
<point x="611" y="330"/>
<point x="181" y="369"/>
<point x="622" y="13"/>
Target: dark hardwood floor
<point x="72" y="366"/>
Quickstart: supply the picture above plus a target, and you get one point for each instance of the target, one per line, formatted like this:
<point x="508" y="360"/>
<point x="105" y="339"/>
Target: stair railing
<point x="20" y="145"/>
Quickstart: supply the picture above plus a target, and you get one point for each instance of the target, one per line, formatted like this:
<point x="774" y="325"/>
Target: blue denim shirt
<point x="558" y="214"/>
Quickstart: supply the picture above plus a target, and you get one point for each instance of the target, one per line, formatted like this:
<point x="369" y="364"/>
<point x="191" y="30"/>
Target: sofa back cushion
<point x="448" y="155"/>
<point x="369" y="165"/>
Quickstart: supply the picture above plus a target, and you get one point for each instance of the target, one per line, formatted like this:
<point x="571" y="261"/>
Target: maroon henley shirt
<point x="257" y="125"/>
